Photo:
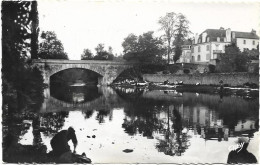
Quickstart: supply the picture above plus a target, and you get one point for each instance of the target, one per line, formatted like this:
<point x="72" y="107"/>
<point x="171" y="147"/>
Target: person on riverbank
<point x="59" y="142"/>
<point x="241" y="155"/>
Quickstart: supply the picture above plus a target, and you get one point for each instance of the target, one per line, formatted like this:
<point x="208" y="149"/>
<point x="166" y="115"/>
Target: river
<point x="155" y="126"/>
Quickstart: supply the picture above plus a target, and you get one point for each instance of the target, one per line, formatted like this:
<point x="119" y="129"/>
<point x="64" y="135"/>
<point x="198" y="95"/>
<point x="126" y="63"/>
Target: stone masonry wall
<point x="232" y="79"/>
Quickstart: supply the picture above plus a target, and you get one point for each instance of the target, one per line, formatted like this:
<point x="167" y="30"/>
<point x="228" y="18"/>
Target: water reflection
<point x="74" y="94"/>
<point x="171" y="123"/>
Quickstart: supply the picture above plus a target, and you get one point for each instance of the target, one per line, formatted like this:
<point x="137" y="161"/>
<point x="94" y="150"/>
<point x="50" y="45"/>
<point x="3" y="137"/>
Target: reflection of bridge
<point x="108" y="100"/>
<point x="107" y="70"/>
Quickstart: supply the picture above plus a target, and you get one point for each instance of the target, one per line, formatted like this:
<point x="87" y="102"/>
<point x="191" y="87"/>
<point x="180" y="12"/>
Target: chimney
<point x="196" y="38"/>
<point x="228" y="35"/>
<point x="204" y="35"/>
<point x="233" y="35"/>
<point x="253" y="31"/>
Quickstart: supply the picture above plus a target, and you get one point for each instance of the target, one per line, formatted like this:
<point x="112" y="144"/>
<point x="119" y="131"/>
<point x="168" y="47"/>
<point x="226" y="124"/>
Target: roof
<point x="187" y="42"/>
<point x="213" y="34"/>
<point x="248" y="35"/>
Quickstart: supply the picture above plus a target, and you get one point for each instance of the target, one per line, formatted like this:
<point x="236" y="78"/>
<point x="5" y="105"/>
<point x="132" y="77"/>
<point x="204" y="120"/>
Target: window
<point x="208" y="57"/>
<point x="199" y="49"/>
<point x="244" y="41"/>
<point x="207" y="47"/>
<point x="198" y="59"/>
<point x="192" y="59"/>
<point x="192" y="49"/>
<point x="207" y="39"/>
<point x="218" y="39"/>
<point x="217" y="46"/>
<point x="253" y="42"/>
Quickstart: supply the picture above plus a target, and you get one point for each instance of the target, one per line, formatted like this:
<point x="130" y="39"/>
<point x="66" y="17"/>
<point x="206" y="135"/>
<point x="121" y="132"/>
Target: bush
<point x="174" y="68"/>
<point x="151" y="68"/>
<point x="166" y="72"/>
<point x="212" y="68"/>
<point x="187" y="71"/>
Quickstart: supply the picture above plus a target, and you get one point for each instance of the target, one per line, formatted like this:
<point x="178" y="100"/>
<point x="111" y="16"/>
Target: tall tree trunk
<point x="35" y="30"/>
<point x="169" y="50"/>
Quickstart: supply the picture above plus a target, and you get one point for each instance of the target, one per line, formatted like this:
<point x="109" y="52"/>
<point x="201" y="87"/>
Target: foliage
<point x="119" y="58"/>
<point x="152" y="68"/>
<point x="212" y="68"/>
<point x="34" y="30"/>
<point x="51" y="47"/>
<point x="167" y="25"/>
<point x="102" y="54"/>
<point x="182" y="32"/>
<point x="87" y="55"/>
<point x="15" y="34"/>
<point x="232" y="60"/>
<point x="144" y="48"/>
<point x="131" y="73"/>
<point x="252" y="54"/>
<point x="176" y="29"/>
<point x="173" y="68"/>
<point x="19" y="27"/>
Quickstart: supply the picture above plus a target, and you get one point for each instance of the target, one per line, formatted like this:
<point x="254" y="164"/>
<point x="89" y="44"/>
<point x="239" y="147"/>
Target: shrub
<point x="186" y="71"/>
<point x="212" y="68"/>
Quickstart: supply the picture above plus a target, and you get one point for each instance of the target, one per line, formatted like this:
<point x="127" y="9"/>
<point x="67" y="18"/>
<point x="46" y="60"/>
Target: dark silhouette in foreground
<point x="241" y="155"/>
<point x="59" y="142"/>
<point x="61" y="149"/>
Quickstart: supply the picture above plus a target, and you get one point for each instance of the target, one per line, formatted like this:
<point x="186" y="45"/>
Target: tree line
<point x="148" y="48"/>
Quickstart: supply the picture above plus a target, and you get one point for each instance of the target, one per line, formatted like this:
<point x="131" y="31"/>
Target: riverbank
<point x="229" y="79"/>
<point x="246" y="92"/>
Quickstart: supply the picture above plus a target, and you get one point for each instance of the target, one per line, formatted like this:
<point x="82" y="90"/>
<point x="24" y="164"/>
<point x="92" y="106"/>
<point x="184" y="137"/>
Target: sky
<point x="84" y="24"/>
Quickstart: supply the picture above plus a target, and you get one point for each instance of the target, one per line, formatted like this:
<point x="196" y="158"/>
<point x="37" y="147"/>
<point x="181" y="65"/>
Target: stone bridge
<point x="107" y="70"/>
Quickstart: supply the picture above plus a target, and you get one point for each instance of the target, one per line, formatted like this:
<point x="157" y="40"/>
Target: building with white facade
<point x="209" y="44"/>
<point x="186" y="52"/>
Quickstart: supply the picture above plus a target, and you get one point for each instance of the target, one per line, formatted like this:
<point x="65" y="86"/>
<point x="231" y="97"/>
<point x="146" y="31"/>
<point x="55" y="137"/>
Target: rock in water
<point x="128" y="150"/>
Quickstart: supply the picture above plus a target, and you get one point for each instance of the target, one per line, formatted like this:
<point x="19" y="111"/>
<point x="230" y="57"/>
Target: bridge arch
<point x="96" y="77"/>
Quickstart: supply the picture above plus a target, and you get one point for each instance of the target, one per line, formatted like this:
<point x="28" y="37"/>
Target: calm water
<point x="159" y="126"/>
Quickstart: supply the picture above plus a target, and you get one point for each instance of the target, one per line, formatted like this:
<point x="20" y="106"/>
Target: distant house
<point x="186" y="52"/>
<point x="209" y="44"/>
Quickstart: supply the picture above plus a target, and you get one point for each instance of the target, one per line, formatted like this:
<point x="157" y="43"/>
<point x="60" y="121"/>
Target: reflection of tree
<point x="101" y="114"/>
<point x="51" y="123"/>
<point x="141" y="118"/>
<point x="175" y="142"/>
<point x="87" y="114"/>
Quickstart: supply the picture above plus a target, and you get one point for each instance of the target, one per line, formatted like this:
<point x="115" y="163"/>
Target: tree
<point x="110" y="50"/>
<point x="181" y="33"/>
<point x="232" y="60"/>
<point x="102" y="54"/>
<point x="19" y="41"/>
<point x="252" y="54"/>
<point x="51" y="47"/>
<point x="87" y="55"/>
<point x="144" y="48"/>
<point x="176" y="29"/>
<point x="168" y="26"/>
<point x="35" y="30"/>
